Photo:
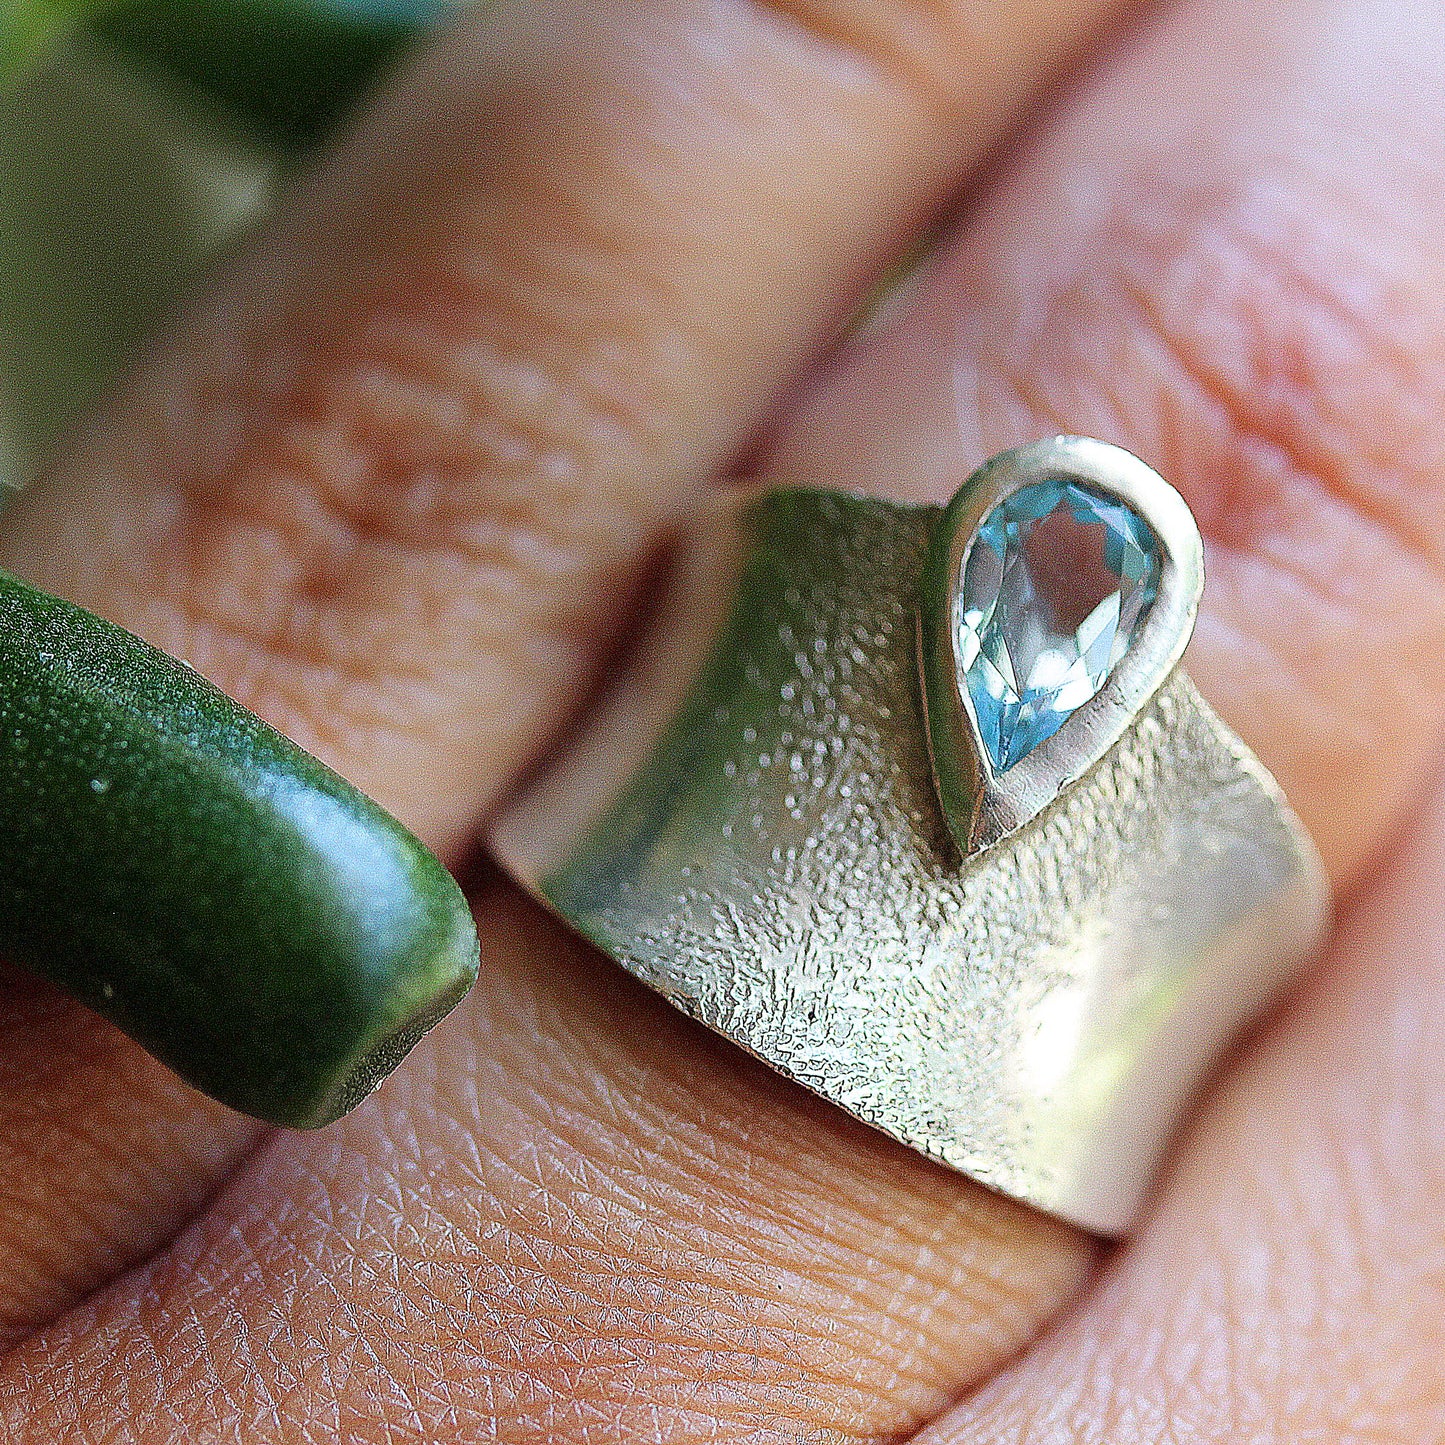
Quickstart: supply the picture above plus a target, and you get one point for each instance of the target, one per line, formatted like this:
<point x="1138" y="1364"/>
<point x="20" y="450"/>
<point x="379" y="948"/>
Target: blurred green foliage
<point x="292" y="67"/>
<point x="137" y="139"/>
<point x="114" y="194"/>
<point x="29" y="27"/>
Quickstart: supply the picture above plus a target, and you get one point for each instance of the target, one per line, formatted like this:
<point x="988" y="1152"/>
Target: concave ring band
<point x="917" y="805"/>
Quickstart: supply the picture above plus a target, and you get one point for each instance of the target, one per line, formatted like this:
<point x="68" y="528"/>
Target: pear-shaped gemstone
<point x="1054" y="587"/>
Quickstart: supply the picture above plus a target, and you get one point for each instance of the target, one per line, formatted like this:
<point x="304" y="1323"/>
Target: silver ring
<point x="917" y="805"/>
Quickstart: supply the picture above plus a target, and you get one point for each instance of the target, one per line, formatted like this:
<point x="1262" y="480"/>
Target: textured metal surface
<point x="750" y="825"/>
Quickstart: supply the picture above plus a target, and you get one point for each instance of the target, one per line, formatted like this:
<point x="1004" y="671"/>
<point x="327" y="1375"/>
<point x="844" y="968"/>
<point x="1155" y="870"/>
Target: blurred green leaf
<point x="293" y="68"/>
<point x="27" y="27"/>
<point x="114" y="195"/>
<point x="137" y="137"/>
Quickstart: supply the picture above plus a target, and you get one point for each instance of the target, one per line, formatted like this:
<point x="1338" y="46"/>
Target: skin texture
<point x="394" y="486"/>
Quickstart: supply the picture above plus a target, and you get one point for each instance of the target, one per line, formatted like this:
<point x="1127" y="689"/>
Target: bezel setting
<point x="980" y="804"/>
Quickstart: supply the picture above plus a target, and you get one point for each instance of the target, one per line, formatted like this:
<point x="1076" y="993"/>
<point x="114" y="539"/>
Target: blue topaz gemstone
<point x="1054" y="587"/>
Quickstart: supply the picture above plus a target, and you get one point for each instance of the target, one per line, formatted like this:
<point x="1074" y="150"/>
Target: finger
<point x="391" y="486"/>
<point x="1289" y="1286"/>
<point x="572" y="1223"/>
<point x="1232" y="269"/>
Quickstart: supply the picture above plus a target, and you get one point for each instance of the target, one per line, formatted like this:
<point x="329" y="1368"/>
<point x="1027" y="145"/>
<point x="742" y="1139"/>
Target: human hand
<point x="395" y="489"/>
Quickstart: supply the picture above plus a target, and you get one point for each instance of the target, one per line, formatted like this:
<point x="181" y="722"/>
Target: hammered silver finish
<point x="765" y="846"/>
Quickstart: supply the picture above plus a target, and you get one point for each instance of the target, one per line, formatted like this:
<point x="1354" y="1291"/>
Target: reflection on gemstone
<point x="1054" y="587"/>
